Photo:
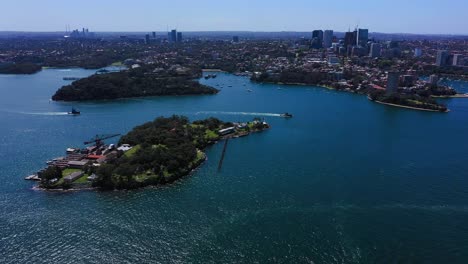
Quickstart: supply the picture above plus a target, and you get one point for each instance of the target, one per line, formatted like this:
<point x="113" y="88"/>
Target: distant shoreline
<point x="410" y="107"/>
<point x="389" y="104"/>
<point x="212" y="70"/>
<point x="451" y="96"/>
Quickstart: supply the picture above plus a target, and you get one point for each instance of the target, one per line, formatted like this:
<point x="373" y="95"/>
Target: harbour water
<point x="344" y="181"/>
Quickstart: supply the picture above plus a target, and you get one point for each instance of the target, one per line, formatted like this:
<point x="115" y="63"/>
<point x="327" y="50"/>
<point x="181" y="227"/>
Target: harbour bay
<point x="345" y="180"/>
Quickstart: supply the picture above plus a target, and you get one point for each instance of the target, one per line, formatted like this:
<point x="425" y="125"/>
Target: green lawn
<point x="210" y="134"/>
<point x="69" y="171"/>
<point x="83" y="179"/>
<point x="132" y="151"/>
<point x="196" y="126"/>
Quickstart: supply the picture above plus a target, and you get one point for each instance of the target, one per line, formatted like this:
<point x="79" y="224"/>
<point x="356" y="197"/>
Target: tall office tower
<point x="350" y="38"/>
<point x="154" y="34"/>
<point x="327" y="38"/>
<point x="392" y="82"/>
<point x="456" y="59"/>
<point x="442" y="58"/>
<point x="417" y="52"/>
<point x="147" y="38"/>
<point x="375" y="50"/>
<point x="318" y="34"/>
<point x="173" y="35"/>
<point x="235" y="39"/>
<point x="317" y="39"/>
<point x="362" y="37"/>
<point x="179" y="36"/>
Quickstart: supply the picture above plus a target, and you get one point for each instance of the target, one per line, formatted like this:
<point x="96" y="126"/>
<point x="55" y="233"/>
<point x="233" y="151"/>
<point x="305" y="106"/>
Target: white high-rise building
<point x="417" y="52"/>
<point x="456" y="59"/>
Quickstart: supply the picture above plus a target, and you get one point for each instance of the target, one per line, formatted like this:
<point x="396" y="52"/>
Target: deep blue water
<point x="344" y="181"/>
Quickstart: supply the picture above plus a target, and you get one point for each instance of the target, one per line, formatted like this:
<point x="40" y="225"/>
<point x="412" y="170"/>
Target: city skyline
<point x="417" y="17"/>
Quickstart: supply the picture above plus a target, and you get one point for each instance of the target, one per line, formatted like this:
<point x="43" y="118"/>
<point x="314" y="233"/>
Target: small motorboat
<point x="74" y="112"/>
<point x="286" y="115"/>
<point x="248" y="90"/>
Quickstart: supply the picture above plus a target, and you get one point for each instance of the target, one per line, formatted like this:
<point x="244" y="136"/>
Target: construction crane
<point x="98" y="139"/>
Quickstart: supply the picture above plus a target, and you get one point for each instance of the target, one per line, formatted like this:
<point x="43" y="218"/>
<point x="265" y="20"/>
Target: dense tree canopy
<point x="20" y="68"/>
<point x="133" y="83"/>
<point x="164" y="150"/>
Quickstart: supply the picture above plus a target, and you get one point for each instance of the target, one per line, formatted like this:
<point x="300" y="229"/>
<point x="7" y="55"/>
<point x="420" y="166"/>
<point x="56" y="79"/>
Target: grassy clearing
<point x="83" y="179"/>
<point x="210" y="134"/>
<point x="69" y="171"/>
<point x="132" y="151"/>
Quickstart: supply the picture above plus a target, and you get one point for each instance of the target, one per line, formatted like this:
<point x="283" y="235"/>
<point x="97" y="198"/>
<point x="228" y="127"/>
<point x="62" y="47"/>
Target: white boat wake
<point x="238" y="113"/>
<point x="44" y="113"/>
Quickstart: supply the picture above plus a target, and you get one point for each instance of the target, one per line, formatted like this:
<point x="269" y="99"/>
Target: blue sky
<point x="391" y="16"/>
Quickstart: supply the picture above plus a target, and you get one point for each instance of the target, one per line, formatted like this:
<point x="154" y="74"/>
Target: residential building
<point x="417" y="52"/>
<point x="375" y="50"/>
<point x="442" y="58"/>
<point x="393" y="78"/>
<point x="433" y="80"/>
<point x="457" y="58"/>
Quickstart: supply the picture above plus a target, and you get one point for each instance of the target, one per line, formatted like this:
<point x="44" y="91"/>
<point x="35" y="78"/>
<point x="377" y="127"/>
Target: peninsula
<point x="20" y="68"/>
<point x="139" y="81"/>
<point x="157" y="152"/>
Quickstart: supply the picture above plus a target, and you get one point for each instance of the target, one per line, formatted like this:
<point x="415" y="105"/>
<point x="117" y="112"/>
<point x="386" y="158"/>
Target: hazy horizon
<point x="228" y="31"/>
<point x="393" y="17"/>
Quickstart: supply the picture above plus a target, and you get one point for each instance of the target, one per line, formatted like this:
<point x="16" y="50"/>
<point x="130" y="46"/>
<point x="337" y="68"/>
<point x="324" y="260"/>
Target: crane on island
<point x="98" y="139"/>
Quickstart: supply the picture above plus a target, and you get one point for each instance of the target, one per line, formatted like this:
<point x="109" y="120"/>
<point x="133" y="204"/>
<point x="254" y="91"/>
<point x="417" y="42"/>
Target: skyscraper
<point x="362" y="36"/>
<point x="392" y="82"/>
<point x="327" y="38"/>
<point x="350" y="39"/>
<point x="235" y="39"/>
<point x="375" y="50"/>
<point x="317" y="39"/>
<point x="417" y="52"/>
<point x="456" y="59"/>
<point x="179" y="36"/>
<point x="173" y="36"/>
<point x="147" y="39"/>
<point x="154" y="34"/>
<point x="317" y="34"/>
<point x="442" y="58"/>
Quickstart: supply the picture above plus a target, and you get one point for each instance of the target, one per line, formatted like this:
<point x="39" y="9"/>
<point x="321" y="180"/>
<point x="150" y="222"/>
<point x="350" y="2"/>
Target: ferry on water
<point x="74" y="112"/>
